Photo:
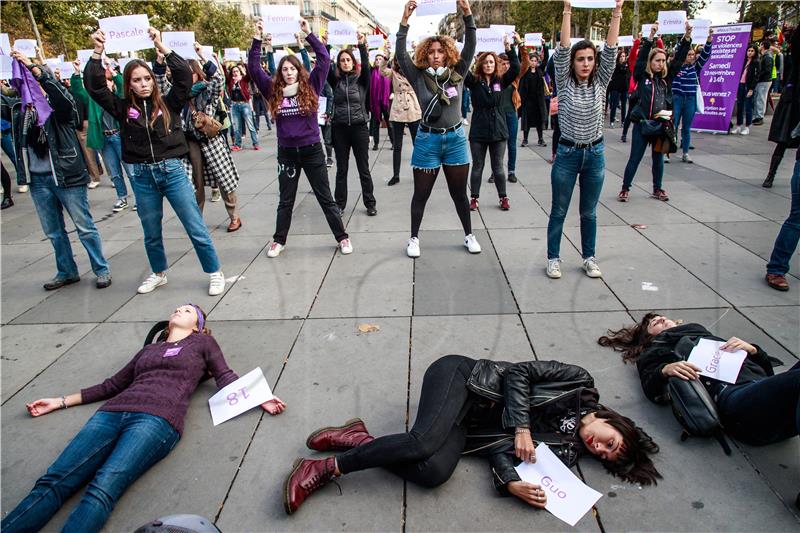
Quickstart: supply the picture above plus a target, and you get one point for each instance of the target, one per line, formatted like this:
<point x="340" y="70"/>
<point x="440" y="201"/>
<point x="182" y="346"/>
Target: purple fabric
<point x="30" y="91"/>
<point x="295" y="130"/>
<point x="379" y="89"/>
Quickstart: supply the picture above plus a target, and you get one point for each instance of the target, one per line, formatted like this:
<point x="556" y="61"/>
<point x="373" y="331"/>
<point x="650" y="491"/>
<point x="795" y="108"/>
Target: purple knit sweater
<point x="161" y="377"/>
<point x="294" y="128"/>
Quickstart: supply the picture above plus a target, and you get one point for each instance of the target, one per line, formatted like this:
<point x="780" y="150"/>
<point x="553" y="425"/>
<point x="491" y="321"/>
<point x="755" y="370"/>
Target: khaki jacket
<point x="405" y="107"/>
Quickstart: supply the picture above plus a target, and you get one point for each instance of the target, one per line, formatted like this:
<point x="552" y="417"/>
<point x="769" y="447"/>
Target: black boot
<point x="774" y="162"/>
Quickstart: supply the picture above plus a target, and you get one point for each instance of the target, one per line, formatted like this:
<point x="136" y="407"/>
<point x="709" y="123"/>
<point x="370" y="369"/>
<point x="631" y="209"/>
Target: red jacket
<point x="632" y="60"/>
<point x="244" y="84"/>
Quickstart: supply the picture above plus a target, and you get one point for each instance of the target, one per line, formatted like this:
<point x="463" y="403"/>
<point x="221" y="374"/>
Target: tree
<point x="225" y="27"/>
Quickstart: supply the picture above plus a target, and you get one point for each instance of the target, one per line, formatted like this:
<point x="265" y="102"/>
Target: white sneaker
<point x="215" y="195"/>
<point x="93" y="184"/>
<point x="346" y="246"/>
<point x="152" y="282"/>
<point x="736" y="131"/>
<point x="745" y="131"/>
<point x="591" y="268"/>
<point x="471" y="244"/>
<point x="554" y="268"/>
<point x="412" y="248"/>
<point x="465" y="122"/>
<point x="121" y="204"/>
<point x="275" y="249"/>
<point x="22" y="189"/>
<point x="216" y="284"/>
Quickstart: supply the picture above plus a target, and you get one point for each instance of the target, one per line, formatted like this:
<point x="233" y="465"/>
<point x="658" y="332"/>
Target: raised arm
<point x="60" y="100"/>
<point x="366" y="68"/>
<point x="706" y="52"/>
<point x="407" y="66"/>
<point x="613" y="29"/>
<point x="680" y="54"/>
<point x="566" y="24"/>
<point x="261" y="78"/>
<point x="303" y="52"/>
<point x="323" y="66"/>
<point x="645" y="44"/>
<point x="513" y="63"/>
<point x="470" y="36"/>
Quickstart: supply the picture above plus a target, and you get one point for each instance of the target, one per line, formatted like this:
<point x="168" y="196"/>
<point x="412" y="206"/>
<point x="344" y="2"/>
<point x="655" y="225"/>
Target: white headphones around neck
<point x="438" y="72"/>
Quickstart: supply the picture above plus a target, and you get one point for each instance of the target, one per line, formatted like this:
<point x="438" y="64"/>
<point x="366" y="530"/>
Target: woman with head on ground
<point x="154" y="145"/>
<point x="437" y="75"/>
<point x="404" y="112"/>
<point x="490" y="408"/>
<point x="582" y="76"/>
<point x="140" y="423"/>
<point x="293" y="98"/>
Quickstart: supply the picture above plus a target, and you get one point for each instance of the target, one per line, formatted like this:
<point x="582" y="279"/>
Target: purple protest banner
<point x="719" y="79"/>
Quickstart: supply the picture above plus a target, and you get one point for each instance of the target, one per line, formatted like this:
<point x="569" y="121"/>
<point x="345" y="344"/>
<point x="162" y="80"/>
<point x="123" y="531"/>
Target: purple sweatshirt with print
<point x="294" y="128"/>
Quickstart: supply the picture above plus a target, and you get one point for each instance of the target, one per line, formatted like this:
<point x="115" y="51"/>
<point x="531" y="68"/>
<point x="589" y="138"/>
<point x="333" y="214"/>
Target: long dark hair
<point x="630" y="340"/>
<point x="356" y="64"/>
<point x="633" y="463"/>
<point x="159" y="107"/>
<point x="307" y="99"/>
<point x="582" y="45"/>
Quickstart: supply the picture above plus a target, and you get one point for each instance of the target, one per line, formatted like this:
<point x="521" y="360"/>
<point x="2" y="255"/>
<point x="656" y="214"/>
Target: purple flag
<point x="30" y="91"/>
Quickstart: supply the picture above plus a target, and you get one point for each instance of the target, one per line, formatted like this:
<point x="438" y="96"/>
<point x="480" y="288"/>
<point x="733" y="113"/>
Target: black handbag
<point x="652" y="129"/>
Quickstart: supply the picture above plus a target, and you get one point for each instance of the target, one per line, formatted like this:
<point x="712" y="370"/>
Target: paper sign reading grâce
<point x="715" y="363"/>
<point x="126" y="34"/>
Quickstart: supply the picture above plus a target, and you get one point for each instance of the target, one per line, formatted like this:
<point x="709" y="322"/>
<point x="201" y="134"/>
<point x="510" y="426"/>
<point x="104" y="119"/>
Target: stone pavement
<point x="702" y="258"/>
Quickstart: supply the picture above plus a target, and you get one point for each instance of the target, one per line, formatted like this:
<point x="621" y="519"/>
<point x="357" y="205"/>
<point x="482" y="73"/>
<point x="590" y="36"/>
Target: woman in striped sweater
<point x="582" y="76"/>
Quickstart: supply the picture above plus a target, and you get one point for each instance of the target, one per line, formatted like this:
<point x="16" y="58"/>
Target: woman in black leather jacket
<point x="491" y="408"/>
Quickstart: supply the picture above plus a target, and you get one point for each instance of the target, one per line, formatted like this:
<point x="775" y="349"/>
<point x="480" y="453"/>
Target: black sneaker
<point x="329" y="162"/>
<point x="103" y="281"/>
<point x="491" y="178"/>
<point x="542" y="143"/>
<point x="512" y="178"/>
<point x="371" y="211"/>
<point x="524" y="143"/>
<point x="374" y="147"/>
<point x="394" y="181"/>
<point x="623" y="139"/>
<point x="7" y="202"/>
<point x="57" y="283"/>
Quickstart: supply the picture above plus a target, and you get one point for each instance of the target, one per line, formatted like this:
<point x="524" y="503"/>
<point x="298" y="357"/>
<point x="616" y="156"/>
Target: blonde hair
<point x="650" y="57"/>
<point x="450" y="50"/>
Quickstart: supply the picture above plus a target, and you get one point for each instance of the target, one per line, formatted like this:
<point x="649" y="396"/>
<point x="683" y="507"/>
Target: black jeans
<point x="375" y="126"/>
<point x="398" y="128"/>
<point x="765" y="411"/>
<point x="345" y="138"/>
<point x="556" y="133"/>
<point x="310" y="159"/>
<point x="496" y="152"/>
<point x="428" y="454"/>
<point x="618" y="99"/>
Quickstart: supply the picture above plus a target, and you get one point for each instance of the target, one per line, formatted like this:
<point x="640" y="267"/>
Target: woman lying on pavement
<point x="138" y="426"/>
<point x="760" y="408"/>
<point x="491" y="408"/>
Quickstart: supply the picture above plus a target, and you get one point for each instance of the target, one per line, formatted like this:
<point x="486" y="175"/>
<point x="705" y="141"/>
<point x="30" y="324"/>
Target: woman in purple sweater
<point x="137" y="427"/>
<point x="293" y="99"/>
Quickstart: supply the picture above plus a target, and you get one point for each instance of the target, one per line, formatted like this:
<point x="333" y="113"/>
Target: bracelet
<point x="566" y="13"/>
<point x="617" y="16"/>
<point x="63" y="403"/>
<point x="522" y="430"/>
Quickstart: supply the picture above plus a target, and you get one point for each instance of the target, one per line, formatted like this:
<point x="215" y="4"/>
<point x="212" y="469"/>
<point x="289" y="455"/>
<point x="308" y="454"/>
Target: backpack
<point x="692" y="405"/>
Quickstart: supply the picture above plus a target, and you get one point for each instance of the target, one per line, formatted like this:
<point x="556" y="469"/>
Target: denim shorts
<point x="432" y="150"/>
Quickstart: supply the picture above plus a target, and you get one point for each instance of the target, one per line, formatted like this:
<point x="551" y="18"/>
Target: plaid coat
<point x="218" y="167"/>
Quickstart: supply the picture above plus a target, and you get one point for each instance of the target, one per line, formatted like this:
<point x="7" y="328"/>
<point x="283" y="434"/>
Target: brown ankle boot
<point x="353" y="433"/>
<point x="307" y="476"/>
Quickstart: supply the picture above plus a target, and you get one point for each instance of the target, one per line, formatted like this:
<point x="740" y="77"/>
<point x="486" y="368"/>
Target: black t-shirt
<point x="236" y="94"/>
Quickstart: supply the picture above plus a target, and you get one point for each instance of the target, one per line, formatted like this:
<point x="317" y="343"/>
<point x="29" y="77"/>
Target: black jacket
<point x="488" y="120"/>
<point x="620" y="78"/>
<point x="787" y="113"/>
<point x="661" y="352"/>
<point x="644" y="96"/>
<point x="751" y="79"/>
<point x="531" y="92"/>
<point x="350" y="92"/>
<point x="142" y="143"/>
<point x="66" y="156"/>
<point x="765" y="68"/>
<point x="534" y="394"/>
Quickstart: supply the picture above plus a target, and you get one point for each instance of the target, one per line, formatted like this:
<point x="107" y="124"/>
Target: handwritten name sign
<point x="374" y="41"/>
<point x="625" y="40"/>
<point x="568" y="498"/>
<point x="671" y="22"/>
<point x="506" y="29"/>
<point x="700" y="29"/>
<point x="181" y="42"/>
<point x="282" y="21"/>
<point x="717" y="364"/>
<point x="490" y="40"/>
<point x="342" y="32"/>
<point x="5" y="45"/>
<point x="233" y="54"/>
<point x="242" y="395"/>
<point x="435" y="7"/>
<point x="126" y="33"/>
<point x="26" y="46"/>
<point x="594" y="4"/>
<point x="533" y="39"/>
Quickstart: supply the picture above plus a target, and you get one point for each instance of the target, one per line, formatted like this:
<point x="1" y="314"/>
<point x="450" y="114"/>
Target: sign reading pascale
<point x="180" y="41"/>
<point x="126" y="34"/>
<point x="671" y="22"/>
<point x="342" y="32"/>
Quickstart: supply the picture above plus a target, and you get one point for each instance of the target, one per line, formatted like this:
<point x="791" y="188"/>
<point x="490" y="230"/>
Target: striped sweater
<point x="686" y="80"/>
<point x="580" y="105"/>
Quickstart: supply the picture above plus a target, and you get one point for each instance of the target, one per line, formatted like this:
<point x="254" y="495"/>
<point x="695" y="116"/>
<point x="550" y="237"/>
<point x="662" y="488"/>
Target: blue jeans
<point x="152" y="182"/>
<point x="684" y="106"/>
<point x="110" y="452"/>
<point x="586" y="166"/>
<point x="789" y="235"/>
<point x="744" y="104"/>
<point x="242" y="116"/>
<point x="465" y="103"/>
<point x="7" y="141"/>
<point x="513" y="128"/>
<point x="112" y="155"/>
<point x="50" y="201"/>
<point x="638" y="147"/>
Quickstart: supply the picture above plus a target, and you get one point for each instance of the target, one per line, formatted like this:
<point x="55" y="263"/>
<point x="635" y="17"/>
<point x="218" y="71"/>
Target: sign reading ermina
<point x="181" y="42"/>
<point x="671" y="22"/>
<point x="282" y="22"/>
<point x="127" y="33"/>
<point x="342" y="32"/>
<point x="435" y="7"/>
<point x="490" y="40"/>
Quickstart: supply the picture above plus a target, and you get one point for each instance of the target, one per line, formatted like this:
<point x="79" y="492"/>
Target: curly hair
<point x="477" y="69"/>
<point x="630" y="340"/>
<point x="633" y="463"/>
<point x="450" y="50"/>
<point x="307" y="99"/>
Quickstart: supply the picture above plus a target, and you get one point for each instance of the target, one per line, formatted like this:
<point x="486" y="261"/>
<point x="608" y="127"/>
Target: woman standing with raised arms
<point x="582" y="81"/>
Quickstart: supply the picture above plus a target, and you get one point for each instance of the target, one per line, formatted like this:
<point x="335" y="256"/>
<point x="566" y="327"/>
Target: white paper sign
<point x="321" y="109"/>
<point x="282" y="22"/>
<point x="277" y="55"/>
<point x="392" y="40"/>
<point x="625" y="40"/>
<point x="594" y="4"/>
<point x="26" y="46"/>
<point x="123" y="61"/>
<point x="84" y="56"/>
<point x="66" y="69"/>
<point x="507" y="29"/>
<point x="699" y="30"/>
<point x="375" y="53"/>
<point x="490" y="40"/>
<point x="53" y="63"/>
<point x="5" y="67"/>
<point x="574" y="40"/>
<point x="435" y="7"/>
<point x="342" y="32"/>
<point x="5" y="45"/>
<point x="646" y="30"/>
<point x="127" y="33"/>
<point x="233" y="54"/>
<point x="242" y="395"/>
<point x="533" y="39"/>
<point x="568" y="498"/>
<point x="208" y="52"/>
<point x="180" y="41"/>
<point x="374" y="41"/>
<point x="720" y="365"/>
<point x="671" y="22"/>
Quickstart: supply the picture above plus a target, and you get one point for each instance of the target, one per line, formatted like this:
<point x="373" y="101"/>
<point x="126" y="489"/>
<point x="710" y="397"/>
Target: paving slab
<point x="758" y="237"/>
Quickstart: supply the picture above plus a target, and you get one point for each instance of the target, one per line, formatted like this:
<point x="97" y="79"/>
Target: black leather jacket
<point x="350" y="92"/>
<point x="534" y="394"/>
<point x="647" y="104"/>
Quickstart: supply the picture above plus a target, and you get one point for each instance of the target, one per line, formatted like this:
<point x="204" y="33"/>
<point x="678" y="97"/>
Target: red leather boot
<point x="307" y="476"/>
<point x="340" y="438"/>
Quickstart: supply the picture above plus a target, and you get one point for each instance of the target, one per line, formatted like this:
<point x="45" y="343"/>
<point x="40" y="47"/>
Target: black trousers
<point x="345" y="138"/>
<point x="311" y="160"/>
<point x="397" y="129"/>
<point x="496" y="152"/>
<point x="375" y="126"/>
<point x="428" y="454"/>
<point x="556" y="133"/>
<point x="6" y="183"/>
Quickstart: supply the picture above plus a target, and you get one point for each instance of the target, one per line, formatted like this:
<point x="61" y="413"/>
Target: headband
<point x="201" y="322"/>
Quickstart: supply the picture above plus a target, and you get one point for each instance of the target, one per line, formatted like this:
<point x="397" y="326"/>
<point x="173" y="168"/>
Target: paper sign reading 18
<point x="242" y="395"/>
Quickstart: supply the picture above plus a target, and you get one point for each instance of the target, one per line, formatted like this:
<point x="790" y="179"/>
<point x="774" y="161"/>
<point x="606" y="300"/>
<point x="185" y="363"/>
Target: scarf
<point x="379" y="89"/>
<point x="198" y="88"/>
<point x="291" y="90"/>
<point x="30" y="91"/>
<point x="435" y="83"/>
